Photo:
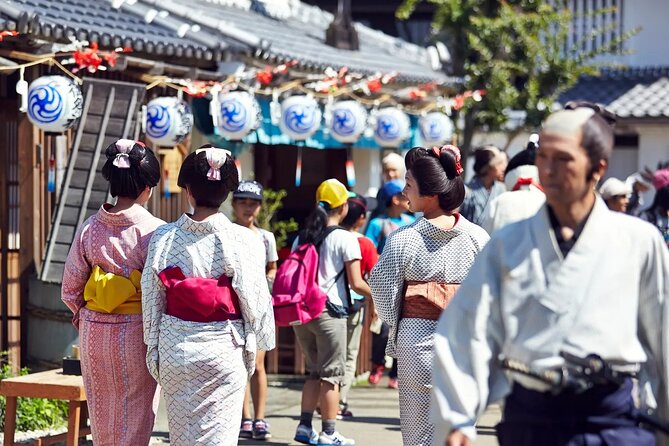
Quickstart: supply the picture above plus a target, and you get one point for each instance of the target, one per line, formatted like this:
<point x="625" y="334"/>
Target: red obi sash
<point x="196" y="299"/>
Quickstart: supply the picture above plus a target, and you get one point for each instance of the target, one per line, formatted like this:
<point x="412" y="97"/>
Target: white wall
<point x="653" y="148"/>
<point x="649" y="45"/>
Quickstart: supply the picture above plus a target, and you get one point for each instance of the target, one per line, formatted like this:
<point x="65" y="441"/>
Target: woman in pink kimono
<point x="207" y="308"/>
<point x="101" y="285"/>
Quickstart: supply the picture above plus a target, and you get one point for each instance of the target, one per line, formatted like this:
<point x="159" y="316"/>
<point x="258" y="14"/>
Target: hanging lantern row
<point x="54" y="103"/>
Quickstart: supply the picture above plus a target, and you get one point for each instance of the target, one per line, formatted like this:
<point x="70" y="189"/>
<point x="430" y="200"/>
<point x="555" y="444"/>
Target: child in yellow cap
<point x="323" y="339"/>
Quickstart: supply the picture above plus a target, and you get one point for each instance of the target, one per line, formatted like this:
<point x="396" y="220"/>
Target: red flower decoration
<point x="265" y="76"/>
<point x="4" y="34"/>
<point x="374" y="86"/>
<point x="437" y="151"/>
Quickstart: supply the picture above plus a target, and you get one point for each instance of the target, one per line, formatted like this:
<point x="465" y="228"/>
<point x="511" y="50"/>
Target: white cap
<point x="613" y="187"/>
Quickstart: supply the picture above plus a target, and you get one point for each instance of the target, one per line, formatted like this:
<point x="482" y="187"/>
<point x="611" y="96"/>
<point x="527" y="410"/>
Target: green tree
<point x="272" y="202"/>
<point x="519" y="51"/>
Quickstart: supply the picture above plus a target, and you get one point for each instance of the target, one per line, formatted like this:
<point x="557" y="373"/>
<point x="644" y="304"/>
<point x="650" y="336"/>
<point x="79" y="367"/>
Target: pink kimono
<point x="122" y="397"/>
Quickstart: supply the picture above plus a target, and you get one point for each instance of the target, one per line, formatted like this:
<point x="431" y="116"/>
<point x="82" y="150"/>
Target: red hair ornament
<point x="456" y="153"/>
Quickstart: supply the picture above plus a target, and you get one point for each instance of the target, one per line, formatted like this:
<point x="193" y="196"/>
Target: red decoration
<point x="4" y="34"/>
<point x="91" y="58"/>
<point x="456" y="153"/>
<point x="374" y="85"/>
<point x="197" y="89"/>
<point x="265" y="76"/>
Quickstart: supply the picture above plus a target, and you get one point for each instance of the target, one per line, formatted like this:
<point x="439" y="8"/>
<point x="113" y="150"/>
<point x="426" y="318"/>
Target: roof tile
<point x="641" y="92"/>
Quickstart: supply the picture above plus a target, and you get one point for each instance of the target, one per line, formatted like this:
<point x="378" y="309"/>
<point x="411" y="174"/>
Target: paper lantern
<point x="349" y="119"/>
<point x="238" y="114"/>
<point x="300" y="117"/>
<point x="435" y="129"/>
<point x="392" y="127"/>
<point x="54" y="103"/>
<point x="168" y="121"/>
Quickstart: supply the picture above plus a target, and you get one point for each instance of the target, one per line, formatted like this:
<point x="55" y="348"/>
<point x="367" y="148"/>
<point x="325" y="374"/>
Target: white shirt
<point x="269" y="242"/>
<point x="525" y="301"/>
<point x="339" y="247"/>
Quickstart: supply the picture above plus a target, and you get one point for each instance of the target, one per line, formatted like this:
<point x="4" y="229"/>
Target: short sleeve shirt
<point x="270" y="245"/>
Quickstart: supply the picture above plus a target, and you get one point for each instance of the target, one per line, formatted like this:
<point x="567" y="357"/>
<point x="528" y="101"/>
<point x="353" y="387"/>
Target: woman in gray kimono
<point x="419" y="271"/>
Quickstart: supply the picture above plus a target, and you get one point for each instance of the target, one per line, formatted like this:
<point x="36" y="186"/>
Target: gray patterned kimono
<point x="420" y="252"/>
<point x="203" y="367"/>
<point x="478" y="200"/>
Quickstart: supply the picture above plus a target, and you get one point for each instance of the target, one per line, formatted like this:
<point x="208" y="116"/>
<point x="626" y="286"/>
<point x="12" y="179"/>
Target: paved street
<point x="376" y="418"/>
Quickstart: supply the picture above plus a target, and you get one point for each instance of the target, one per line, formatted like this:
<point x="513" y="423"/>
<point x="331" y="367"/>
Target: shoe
<point x="261" y="430"/>
<point x="376" y="374"/>
<point x="393" y="384"/>
<point x="246" y="431"/>
<point x="336" y="438"/>
<point x="343" y="413"/>
<point x="306" y="435"/>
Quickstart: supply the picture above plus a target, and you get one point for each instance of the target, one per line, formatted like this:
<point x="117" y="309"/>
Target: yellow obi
<point x="109" y="293"/>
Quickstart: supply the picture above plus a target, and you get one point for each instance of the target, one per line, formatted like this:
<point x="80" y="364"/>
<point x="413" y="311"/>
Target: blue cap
<point x="392" y="188"/>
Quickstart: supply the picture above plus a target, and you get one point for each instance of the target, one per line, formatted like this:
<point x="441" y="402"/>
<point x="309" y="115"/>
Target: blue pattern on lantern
<point x="388" y="128"/>
<point x="300" y="119"/>
<point x="434" y="129"/>
<point x="268" y="133"/>
<point x="344" y="122"/>
<point x="158" y="121"/>
<point x="45" y="104"/>
<point x="233" y="115"/>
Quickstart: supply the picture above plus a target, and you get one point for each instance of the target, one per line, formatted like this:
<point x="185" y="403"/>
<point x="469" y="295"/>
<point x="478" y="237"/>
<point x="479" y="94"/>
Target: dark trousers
<point x="600" y="416"/>
<point x="379" y="342"/>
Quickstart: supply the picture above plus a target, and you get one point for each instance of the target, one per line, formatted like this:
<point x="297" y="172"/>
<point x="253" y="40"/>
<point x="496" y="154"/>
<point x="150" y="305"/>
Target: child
<point x="246" y="204"/>
<point x="101" y="287"/>
<point x="206" y="307"/>
<point x="355" y="220"/>
<point x="395" y="215"/>
<point x="323" y="339"/>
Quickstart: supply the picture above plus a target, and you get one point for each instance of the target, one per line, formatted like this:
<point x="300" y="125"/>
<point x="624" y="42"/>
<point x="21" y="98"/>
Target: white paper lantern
<point x="168" y="121"/>
<point x="435" y="129"/>
<point x="238" y="114"/>
<point x="300" y="117"/>
<point x="392" y="127"/>
<point x="54" y="103"/>
<point x="348" y="121"/>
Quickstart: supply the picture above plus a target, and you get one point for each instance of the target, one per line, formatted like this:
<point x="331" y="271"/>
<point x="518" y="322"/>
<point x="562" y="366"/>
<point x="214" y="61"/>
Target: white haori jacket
<point x="523" y="300"/>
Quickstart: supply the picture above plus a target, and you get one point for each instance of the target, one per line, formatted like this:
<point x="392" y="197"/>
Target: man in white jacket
<point x="574" y="280"/>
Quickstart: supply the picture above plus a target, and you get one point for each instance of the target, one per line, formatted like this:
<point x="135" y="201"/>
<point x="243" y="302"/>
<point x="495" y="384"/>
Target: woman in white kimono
<point x="575" y="279"/>
<point x="206" y="307"/>
<point x="419" y="271"/>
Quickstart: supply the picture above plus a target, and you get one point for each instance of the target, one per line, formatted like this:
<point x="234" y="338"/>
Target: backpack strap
<point x="317" y="243"/>
<point x="327" y="231"/>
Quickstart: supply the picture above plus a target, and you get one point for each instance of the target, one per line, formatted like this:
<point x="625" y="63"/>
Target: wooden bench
<point x="51" y="385"/>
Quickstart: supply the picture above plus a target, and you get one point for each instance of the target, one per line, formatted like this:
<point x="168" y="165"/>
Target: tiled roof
<point x="99" y="21"/>
<point x="283" y="30"/>
<point x="630" y="93"/>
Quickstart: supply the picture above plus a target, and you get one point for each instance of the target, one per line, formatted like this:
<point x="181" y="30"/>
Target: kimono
<point x="101" y="287"/>
<point x="478" y="199"/>
<point x="203" y="367"/>
<point x="426" y="259"/>
<point x="524" y="300"/>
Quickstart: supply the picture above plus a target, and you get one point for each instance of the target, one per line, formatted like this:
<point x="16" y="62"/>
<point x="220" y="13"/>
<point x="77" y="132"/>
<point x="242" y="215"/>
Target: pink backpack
<point x="296" y="296"/>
